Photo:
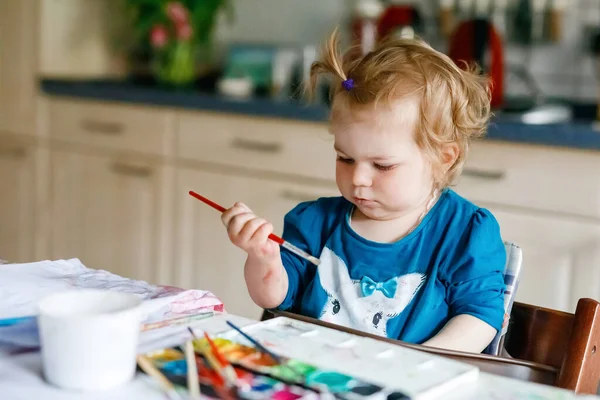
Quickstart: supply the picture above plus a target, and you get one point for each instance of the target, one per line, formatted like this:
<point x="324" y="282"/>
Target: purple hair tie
<point x="348" y="84"/>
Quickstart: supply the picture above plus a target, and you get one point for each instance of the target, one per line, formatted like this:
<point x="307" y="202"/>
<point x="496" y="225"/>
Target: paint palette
<point x="261" y="378"/>
<point x="397" y="370"/>
<point x="317" y="362"/>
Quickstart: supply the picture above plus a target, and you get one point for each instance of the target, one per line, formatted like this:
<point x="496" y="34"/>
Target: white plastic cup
<point x="89" y="338"/>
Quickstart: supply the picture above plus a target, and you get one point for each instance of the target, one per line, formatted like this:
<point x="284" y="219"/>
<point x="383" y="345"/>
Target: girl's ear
<point x="450" y="154"/>
<point x="444" y="164"/>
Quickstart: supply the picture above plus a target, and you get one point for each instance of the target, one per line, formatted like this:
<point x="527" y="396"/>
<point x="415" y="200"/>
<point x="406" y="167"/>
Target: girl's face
<point x="380" y="168"/>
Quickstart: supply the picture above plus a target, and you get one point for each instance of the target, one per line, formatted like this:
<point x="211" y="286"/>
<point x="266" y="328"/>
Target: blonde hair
<point x="454" y="103"/>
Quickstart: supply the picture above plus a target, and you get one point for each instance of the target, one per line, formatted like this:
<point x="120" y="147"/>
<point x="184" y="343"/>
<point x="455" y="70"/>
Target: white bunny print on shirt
<point x="364" y="305"/>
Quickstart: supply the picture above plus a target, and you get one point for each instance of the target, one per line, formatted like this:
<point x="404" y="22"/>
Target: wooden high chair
<point x="568" y="342"/>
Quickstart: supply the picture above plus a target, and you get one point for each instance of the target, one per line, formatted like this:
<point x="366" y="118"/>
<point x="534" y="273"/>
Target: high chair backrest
<point x="565" y="341"/>
<point x="512" y="273"/>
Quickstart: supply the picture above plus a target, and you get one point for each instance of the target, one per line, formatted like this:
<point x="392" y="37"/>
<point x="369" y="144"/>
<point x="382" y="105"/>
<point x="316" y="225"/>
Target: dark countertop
<point x="578" y="134"/>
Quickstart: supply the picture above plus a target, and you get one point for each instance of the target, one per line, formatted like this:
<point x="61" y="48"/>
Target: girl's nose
<point x="361" y="175"/>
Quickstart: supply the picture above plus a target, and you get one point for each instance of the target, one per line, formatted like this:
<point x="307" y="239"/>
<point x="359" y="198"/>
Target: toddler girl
<point x="402" y="255"/>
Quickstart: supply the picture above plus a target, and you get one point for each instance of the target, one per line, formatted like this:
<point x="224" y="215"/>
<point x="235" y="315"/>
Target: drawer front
<point x="117" y="126"/>
<point x="254" y="143"/>
<point x="541" y="178"/>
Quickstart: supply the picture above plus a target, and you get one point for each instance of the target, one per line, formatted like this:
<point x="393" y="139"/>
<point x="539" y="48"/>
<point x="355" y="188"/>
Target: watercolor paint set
<point x="288" y="359"/>
<point x="397" y="369"/>
<point x="258" y="376"/>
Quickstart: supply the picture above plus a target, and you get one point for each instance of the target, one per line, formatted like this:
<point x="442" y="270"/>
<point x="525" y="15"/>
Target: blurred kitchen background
<point x="112" y="110"/>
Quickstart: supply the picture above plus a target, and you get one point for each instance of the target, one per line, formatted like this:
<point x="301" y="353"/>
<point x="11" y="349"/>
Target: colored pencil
<point x="283" y="243"/>
<point x="148" y="367"/>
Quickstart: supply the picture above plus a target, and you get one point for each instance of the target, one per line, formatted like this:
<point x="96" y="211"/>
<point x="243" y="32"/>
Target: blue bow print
<point x="388" y="288"/>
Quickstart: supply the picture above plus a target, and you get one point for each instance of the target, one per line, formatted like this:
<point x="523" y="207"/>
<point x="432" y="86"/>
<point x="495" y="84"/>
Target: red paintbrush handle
<point x="207" y="201"/>
<point x="220" y="208"/>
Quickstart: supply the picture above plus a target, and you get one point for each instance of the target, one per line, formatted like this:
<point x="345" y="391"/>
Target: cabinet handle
<point x="252" y="145"/>
<point x="293" y="195"/>
<point x="483" y="174"/>
<point x="137" y="171"/>
<point x="103" y="128"/>
<point x="13" y="152"/>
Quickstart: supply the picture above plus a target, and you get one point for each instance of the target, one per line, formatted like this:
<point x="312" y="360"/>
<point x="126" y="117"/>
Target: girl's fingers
<point x="250" y="228"/>
<point x="238" y="223"/>
<point x="228" y="215"/>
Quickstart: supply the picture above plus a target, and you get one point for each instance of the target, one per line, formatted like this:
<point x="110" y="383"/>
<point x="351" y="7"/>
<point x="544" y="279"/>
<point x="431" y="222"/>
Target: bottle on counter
<point x="364" y="24"/>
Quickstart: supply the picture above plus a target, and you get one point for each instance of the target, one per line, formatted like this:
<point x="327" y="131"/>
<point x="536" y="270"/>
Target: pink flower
<point x="184" y="31"/>
<point x="158" y="36"/>
<point x="177" y="12"/>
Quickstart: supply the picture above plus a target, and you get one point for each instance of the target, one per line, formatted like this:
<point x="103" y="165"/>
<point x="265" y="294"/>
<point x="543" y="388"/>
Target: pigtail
<point x="331" y="62"/>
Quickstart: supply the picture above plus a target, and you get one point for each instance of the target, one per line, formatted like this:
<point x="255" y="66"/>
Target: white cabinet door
<point x="18" y="21"/>
<point x="557" y="257"/>
<point x="17" y="196"/>
<point x="204" y="256"/>
<point x="106" y="211"/>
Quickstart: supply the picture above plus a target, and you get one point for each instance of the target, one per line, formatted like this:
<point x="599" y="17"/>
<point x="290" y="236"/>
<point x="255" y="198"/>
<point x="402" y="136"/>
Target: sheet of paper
<point x="22" y="286"/>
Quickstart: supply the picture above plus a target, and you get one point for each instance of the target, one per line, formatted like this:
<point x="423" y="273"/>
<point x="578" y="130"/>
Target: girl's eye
<point x="345" y="160"/>
<point x="385" y="167"/>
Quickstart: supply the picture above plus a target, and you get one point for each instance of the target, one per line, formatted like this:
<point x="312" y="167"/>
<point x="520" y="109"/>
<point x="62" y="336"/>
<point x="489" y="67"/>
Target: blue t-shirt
<point x="452" y="263"/>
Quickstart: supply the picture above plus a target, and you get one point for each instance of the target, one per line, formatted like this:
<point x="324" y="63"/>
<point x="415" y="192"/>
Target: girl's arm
<point x="463" y="333"/>
<point x="267" y="281"/>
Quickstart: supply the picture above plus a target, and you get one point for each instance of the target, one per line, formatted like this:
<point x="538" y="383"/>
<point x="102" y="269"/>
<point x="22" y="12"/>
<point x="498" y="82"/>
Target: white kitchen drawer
<point x="281" y="146"/>
<point x="117" y="126"/>
<point x="541" y="178"/>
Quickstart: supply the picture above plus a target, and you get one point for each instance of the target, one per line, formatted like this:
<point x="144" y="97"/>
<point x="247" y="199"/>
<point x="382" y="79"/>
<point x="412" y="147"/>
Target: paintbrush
<point x="227" y="367"/>
<point x="263" y="349"/>
<point x="218" y="362"/>
<point x="255" y="342"/>
<point x="283" y="243"/>
<point x="192" y="371"/>
<point x="149" y="368"/>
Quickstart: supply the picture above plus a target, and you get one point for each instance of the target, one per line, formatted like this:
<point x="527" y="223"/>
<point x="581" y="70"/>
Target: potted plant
<point x="175" y="38"/>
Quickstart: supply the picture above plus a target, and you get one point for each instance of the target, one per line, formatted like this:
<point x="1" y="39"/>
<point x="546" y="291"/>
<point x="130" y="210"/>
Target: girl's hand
<point x="250" y="233"/>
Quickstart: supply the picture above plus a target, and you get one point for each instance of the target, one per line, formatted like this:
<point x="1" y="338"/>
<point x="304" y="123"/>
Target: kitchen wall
<point x="562" y="70"/>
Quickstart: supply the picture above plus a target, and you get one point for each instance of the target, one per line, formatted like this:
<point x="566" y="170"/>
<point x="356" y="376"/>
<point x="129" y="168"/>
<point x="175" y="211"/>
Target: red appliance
<point x="470" y="42"/>
<point x="397" y="16"/>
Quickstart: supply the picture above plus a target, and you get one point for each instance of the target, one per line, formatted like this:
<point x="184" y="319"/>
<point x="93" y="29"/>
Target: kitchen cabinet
<point x="547" y="203"/>
<point x="297" y="149"/>
<point x="17" y="66"/>
<point x="204" y="256"/>
<point x="556" y="263"/>
<point x="107" y="211"/>
<point x="17" y="207"/>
